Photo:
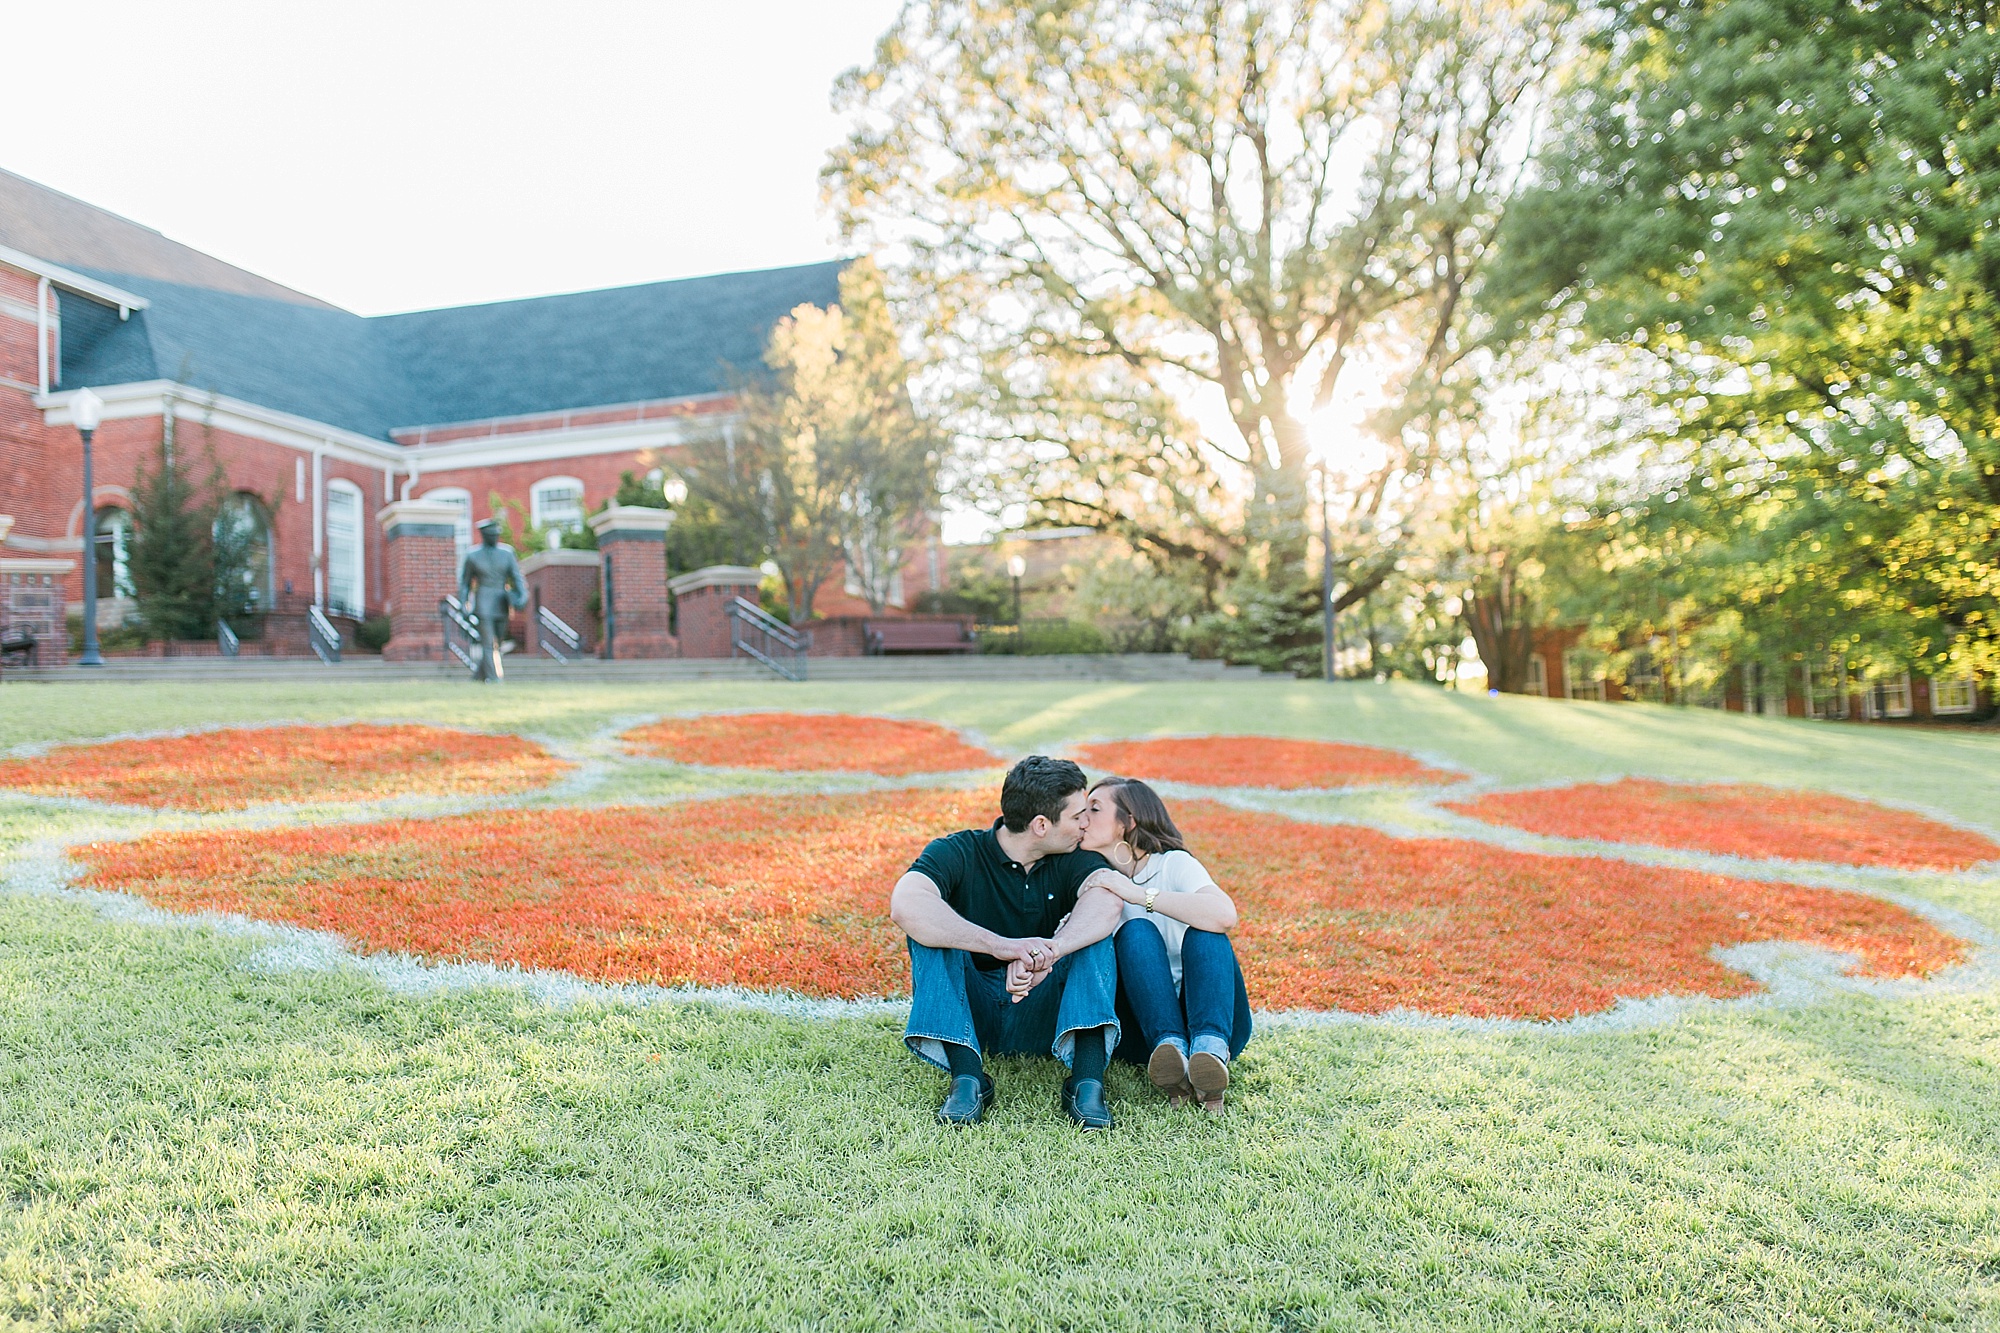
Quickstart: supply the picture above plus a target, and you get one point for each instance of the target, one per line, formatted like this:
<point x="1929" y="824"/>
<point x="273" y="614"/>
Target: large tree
<point x="827" y="459"/>
<point x="1784" y="215"/>
<point x="1110" y="211"/>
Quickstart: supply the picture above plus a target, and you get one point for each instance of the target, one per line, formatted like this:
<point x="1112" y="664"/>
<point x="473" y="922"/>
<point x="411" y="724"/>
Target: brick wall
<point x="565" y="582"/>
<point x="637" y="615"/>
<point x="703" y="597"/>
<point x="422" y="568"/>
<point x="33" y="600"/>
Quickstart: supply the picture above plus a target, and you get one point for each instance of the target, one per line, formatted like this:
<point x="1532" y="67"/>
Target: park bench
<point x="918" y="636"/>
<point x="17" y="648"/>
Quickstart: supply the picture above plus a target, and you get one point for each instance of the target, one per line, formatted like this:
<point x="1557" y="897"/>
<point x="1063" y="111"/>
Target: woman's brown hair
<point x="1150" y="828"/>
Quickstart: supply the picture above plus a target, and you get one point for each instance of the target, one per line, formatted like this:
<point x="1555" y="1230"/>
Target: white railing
<point x="461" y="634"/>
<point x="324" y="637"/>
<point x="759" y="635"/>
<point x="226" y="641"/>
<point x="550" y="626"/>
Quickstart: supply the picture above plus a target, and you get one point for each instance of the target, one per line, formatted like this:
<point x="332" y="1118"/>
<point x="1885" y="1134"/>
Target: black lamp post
<point x="1327" y="653"/>
<point x="1017" y="566"/>
<point x="86" y="409"/>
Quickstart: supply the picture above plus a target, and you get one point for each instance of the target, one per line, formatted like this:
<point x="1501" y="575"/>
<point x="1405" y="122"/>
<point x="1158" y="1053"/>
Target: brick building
<point x="1560" y="667"/>
<point x="320" y="417"/>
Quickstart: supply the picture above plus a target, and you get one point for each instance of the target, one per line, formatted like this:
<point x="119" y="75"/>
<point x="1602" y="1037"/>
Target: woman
<point x="1176" y="969"/>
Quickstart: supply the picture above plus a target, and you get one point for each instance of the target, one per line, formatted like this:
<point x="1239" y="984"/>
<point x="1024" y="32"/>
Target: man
<point x="1010" y="945"/>
<point x="493" y="569"/>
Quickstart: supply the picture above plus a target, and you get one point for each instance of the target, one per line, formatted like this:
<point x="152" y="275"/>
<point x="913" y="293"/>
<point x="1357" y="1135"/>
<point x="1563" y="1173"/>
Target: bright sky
<point x="394" y="156"/>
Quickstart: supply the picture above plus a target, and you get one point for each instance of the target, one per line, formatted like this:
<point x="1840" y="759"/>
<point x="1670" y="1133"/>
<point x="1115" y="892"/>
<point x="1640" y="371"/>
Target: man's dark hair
<point x="1038" y="785"/>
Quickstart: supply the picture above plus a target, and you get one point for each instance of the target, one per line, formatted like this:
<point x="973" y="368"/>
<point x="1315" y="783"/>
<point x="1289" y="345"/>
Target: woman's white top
<point x="1169" y="872"/>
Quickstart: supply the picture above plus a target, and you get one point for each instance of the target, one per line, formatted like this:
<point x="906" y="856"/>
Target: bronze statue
<point x="497" y="574"/>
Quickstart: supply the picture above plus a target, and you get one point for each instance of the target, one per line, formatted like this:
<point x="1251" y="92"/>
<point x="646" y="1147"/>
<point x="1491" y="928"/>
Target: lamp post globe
<point x="86" y="409"/>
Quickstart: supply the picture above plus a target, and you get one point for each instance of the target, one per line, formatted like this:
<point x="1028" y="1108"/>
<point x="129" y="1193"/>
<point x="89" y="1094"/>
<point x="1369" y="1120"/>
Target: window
<point x="1826" y="691"/>
<point x="460" y="499"/>
<point x="1538" y="676"/>
<point x="243" y="555"/>
<point x="1584" y="673"/>
<point x="853" y="586"/>
<point x="1888" y="697"/>
<point x="1953" y="696"/>
<point x="114" y="553"/>
<point x="557" y="502"/>
<point x="344" y="555"/>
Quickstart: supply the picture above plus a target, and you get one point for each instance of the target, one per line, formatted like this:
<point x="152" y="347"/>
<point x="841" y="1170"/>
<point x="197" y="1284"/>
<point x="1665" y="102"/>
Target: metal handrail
<point x="783" y="649"/>
<point x="549" y="624"/>
<point x="226" y="641"/>
<point x="324" y="637"/>
<point x="453" y="616"/>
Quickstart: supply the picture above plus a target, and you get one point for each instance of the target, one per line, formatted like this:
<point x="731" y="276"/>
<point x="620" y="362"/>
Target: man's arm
<point x="921" y="912"/>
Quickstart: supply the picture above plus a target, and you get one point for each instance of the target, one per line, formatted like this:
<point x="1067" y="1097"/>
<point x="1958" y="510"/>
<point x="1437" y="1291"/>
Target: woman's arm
<point x="1207" y="908"/>
<point x="1199" y="903"/>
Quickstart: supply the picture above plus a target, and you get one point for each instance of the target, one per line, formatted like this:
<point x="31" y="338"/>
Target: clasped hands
<point x="1029" y="962"/>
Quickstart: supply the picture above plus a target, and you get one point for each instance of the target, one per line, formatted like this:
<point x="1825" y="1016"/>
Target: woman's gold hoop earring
<point x="1121" y="855"/>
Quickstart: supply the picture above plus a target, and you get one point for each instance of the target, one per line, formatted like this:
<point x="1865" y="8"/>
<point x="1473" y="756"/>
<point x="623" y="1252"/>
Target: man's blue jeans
<point x="953" y="1001"/>
<point x="1210" y="1003"/>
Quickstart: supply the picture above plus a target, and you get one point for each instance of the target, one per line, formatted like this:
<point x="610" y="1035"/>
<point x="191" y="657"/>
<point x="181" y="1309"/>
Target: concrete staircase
<point x="362" y="670"/>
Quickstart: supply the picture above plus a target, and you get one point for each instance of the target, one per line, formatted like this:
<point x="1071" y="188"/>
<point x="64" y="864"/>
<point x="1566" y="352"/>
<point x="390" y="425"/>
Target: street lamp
<point x="1327" y="653"/>
<point x="86" y="409"/>
<point x="1017" y="566"/>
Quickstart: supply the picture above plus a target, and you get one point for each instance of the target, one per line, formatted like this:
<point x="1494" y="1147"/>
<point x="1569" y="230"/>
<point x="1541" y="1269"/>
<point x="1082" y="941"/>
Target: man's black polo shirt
<point x="988" y="889"/>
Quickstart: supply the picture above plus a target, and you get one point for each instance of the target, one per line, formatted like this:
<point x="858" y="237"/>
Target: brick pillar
<point x="638" y="622"/>
<point x="32" y="600"/>
<point x="421" y="538"/>
<point x="702" y="596"/>
<point x="564" y="581"/>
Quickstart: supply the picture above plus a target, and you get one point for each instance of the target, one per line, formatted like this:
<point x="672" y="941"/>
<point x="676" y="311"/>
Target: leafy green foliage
<point x="1786" y="215"/>
<point x="200" y="552"/>
<point x="1112" y="209"/>
<point x="830" y="461"/>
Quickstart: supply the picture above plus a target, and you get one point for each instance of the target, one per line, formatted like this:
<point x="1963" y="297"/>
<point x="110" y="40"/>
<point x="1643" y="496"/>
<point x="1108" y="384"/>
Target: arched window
<point x="557" y="502"/>
<point x="243" y="572"/>
<point x="344" y="559"/>
<point x="114" y="553"/>
<point x="461" y="499"/>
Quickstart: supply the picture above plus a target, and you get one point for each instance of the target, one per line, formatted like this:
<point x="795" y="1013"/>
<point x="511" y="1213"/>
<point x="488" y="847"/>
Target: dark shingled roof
<point x="432" y="367"/>
<point x="217" y="327"/>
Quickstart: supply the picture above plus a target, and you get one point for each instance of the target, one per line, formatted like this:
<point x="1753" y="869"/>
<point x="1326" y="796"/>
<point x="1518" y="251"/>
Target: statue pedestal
<point x="422" y="565"/>
<point x="638" y="622"/>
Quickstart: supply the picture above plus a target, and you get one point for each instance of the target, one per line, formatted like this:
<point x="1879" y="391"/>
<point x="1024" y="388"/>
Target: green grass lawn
<point x="190" y="1141"/>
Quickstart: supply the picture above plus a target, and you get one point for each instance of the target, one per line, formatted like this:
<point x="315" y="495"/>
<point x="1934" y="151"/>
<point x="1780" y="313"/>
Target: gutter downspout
<point x="319" y="528"/>
<point x="42" y="334"/>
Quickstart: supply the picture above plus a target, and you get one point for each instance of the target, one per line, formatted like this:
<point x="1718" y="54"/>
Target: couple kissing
<point x="1077" y="926"/>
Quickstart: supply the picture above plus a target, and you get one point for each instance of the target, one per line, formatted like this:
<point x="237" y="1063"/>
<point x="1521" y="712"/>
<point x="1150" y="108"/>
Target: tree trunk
<point x="1500" y="620"/>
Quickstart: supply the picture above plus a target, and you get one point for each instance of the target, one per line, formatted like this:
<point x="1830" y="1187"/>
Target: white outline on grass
<point x="1792" y="975"/>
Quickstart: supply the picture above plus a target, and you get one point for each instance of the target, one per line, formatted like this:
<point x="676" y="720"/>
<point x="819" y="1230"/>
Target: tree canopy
<point x="1114" y="211"/>
<point x="1782" y="214"/>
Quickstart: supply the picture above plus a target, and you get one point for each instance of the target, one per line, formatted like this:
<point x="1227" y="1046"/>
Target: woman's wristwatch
<point x="1152" y="892"/>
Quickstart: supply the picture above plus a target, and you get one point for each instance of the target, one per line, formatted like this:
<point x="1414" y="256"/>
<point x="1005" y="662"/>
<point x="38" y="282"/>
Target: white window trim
<point x="1874" y="697"/>
<point x="447" y="495"/>
<point x="360" y="561"/>
<point x="1969" y="704"/>
<point x="1537" y="682"/>
<point x="1595" y="687"/>
<point x="535" y="501"/>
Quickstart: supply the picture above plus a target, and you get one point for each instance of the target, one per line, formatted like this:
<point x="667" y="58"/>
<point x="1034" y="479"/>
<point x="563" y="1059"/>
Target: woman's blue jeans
<point x="1207" y="1003"/>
